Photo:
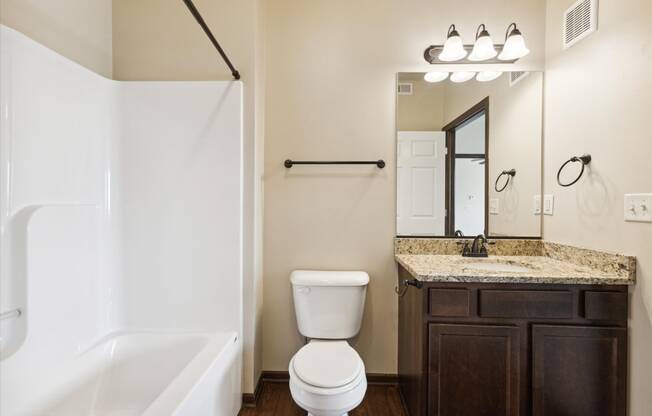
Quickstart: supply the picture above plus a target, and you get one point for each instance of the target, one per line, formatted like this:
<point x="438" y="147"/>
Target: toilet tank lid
<point x="329" y="278"/>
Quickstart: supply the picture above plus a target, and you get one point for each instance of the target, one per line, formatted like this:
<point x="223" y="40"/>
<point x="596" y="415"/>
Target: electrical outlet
<point x="548" y="204"/>
<point x="536" y="205"/>
<point x="638" y="207"/>
<point x="494" y="206"/>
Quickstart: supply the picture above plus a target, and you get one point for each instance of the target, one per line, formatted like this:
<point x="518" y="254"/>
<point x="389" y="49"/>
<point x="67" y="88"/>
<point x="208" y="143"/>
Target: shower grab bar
<point x="10" y="314"/>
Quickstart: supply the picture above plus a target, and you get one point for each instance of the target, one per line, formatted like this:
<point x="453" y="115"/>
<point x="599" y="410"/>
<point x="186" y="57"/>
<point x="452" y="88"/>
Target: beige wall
<point x="598" y="99"/>
<point x="77" y="29"/>
<point x="424" y="109"/>
<point x="515" y="142"/>
<point x="160" y="40"/>
<point x="331" y="77"/>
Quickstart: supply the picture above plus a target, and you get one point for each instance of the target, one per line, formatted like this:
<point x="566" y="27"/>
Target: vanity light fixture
<point x="483" y="48"/>
<point x="462" y="76"/>
<point x="453" y="47"/>
<point x="435" y="76"/>
<point x="514" y="47"/>
<point x="486" y="76"/>
<point x="482" y="51"/>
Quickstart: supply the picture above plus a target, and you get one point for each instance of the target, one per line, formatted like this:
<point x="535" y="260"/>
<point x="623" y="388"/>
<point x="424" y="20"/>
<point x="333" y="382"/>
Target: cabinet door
<point x="579" y="371"/>
<point x="473" y="370"/>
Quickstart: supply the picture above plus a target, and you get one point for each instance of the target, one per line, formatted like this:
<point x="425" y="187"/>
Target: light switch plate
<point x="494" y="206"/>
<point x="638" y="207"/>
<point x="536" y="205"/>
<point x="548" y="204"/>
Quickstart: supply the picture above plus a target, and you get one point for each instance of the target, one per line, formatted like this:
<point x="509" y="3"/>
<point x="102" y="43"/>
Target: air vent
<point x="516" y="76"/>
<point x="404" y="88"/>
<point x="580" y="20"/>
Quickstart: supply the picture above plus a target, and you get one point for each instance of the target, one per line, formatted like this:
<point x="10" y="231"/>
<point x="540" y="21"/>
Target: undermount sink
<point x="497" y="267"/>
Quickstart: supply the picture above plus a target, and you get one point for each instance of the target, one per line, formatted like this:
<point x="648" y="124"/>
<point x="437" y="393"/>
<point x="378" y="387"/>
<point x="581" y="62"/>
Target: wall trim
<point x="251" y="399"/>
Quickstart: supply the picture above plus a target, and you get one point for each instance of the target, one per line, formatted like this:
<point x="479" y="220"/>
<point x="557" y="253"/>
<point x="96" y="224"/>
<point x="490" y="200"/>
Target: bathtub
<point x="134" y="374"/>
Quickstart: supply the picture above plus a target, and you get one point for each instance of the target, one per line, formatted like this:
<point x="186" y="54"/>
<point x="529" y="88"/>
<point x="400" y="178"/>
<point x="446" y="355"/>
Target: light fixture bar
<point x="431" y="55"/>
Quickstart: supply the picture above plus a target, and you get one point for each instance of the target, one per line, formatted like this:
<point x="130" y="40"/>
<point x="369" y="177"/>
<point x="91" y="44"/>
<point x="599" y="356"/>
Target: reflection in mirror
<point x="469" y="156"/>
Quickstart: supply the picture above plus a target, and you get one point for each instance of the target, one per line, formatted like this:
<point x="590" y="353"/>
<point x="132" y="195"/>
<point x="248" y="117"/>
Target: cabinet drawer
<point x="605" y="306"/>
<point x="449" y="302"/>
<point x="526" y="304"/>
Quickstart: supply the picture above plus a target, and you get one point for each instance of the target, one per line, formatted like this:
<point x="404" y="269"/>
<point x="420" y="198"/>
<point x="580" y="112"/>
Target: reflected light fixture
<point x="462" y="76"/>
<point x="435" y="76"/>
<point x="483" y="48"/>
<point x="453" y="47"/>
<point x="514" y="47"/>
<point x="486" y="76"/>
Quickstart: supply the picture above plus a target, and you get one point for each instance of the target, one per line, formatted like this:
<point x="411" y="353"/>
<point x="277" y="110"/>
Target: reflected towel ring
<point x="584" y="159"/>
<point x="510" y="174"/>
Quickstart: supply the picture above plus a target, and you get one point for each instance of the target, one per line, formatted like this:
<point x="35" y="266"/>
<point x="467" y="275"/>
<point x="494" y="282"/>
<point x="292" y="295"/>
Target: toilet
<point x="327" y="376"/>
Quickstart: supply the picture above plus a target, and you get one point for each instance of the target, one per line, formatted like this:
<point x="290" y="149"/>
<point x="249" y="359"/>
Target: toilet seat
<point x="327" y="364"/>
<point x="327" y="401"/>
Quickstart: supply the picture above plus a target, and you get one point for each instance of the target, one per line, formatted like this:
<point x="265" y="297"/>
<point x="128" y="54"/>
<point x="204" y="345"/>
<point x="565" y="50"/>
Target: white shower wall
<point x="178" y="191"/>
<point x="120" y="209"/>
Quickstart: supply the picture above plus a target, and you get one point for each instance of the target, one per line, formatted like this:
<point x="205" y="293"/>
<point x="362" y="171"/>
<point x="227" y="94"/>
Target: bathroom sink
<point x="497" y="267"/>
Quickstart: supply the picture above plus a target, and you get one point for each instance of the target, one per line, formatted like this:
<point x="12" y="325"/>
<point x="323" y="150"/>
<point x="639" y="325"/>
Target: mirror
<point x="469" y="156"/>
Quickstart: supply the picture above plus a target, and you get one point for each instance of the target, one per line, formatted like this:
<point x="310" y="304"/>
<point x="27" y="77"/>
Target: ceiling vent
<point x="580" y="20"/>
<point x="404" y="88"/>
<point x="516" y="76"/>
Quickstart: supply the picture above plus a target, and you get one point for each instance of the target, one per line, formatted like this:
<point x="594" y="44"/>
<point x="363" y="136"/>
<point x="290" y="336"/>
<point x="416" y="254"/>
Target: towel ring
<point x="510" y="174"/>
<point x="584" y="159"/>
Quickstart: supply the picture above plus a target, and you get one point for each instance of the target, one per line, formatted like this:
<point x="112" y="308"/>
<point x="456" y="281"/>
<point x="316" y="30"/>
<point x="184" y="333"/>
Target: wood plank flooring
<point x="275" y="400"/>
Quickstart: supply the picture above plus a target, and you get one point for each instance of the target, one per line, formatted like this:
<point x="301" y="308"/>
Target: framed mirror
<point x="469" y="156"/>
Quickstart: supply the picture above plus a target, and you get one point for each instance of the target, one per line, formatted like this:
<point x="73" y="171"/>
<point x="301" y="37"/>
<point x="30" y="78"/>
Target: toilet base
<point x="345" y="414"/>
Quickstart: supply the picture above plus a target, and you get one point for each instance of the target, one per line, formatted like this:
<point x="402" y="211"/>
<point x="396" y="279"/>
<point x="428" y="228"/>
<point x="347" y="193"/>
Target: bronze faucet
<point x="478" y="247"/>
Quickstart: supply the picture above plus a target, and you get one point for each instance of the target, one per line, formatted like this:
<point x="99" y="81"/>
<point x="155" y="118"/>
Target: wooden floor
<point x="275" y="400"/>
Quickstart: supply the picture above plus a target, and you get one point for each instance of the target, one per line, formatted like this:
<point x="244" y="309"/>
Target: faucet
<point x="477" y="249"/>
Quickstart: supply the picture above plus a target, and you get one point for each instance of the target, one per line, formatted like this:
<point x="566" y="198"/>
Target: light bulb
<point x="483" y="48"/>
<point x="453" y="47"/>
<point x="486" y="76"/>
<point x="462" y="76"/>
<point x="435" y="76"/>
<point x="514" y="47"/>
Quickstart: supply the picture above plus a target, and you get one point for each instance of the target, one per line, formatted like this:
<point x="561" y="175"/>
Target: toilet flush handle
<point x="304" y="290"/>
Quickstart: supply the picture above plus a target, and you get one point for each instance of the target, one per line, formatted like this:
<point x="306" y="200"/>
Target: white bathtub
<point x="134" y="374"/>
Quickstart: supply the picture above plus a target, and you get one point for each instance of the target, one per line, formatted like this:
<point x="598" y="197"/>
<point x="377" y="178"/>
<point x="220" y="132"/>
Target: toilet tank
<point x="329" y="304"/>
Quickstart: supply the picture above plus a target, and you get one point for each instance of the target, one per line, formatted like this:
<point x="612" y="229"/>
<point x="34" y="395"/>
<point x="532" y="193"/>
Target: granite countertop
<point x="541" y="262"/>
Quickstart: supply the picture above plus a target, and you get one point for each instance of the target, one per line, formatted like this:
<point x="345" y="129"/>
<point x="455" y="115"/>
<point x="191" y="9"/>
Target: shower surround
<point x="121" y="240"/>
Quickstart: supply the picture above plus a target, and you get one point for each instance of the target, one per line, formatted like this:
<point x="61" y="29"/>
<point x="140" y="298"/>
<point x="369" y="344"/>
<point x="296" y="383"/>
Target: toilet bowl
<point x="327" y="378"/>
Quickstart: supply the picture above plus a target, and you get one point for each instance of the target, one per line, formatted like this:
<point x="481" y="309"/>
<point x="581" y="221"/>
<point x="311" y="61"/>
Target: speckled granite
<point x="615" y="264"/>
<point x="435" y="260"/>
<point x="498" y="247"/>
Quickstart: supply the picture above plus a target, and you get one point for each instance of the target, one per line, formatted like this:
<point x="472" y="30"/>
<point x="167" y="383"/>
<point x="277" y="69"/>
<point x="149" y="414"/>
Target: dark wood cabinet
<point x="473" y="370"/>
<point x="579" y="371"/>
<point x="476" y="349"/>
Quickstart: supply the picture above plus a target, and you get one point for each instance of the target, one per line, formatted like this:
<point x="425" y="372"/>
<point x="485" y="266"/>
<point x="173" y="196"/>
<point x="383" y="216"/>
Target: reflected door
<point x="469" y="175"/>
<point x="421" y="179"/>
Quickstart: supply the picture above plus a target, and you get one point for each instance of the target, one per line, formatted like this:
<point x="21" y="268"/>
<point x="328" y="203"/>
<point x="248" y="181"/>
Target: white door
<point x="421" y="182"/>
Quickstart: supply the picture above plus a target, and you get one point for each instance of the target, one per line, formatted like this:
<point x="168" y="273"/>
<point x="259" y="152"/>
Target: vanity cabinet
<point x="500" y="349"/>
<point x="473" y="369"/>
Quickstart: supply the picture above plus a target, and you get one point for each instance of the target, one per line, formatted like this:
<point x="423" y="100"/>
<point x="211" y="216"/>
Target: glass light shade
<point x="486" y="76"/>
<point x="483" y="49"/>
<point x="462" y="76"/>
<point x="514" y="48"/>
<point x="453" y="50"/>
<point x="435" y="76"/>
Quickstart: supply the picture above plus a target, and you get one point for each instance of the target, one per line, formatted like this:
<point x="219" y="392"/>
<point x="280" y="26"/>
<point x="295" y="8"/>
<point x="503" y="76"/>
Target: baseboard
<point x="382" y="379"/>
<point x="251" y="399"/>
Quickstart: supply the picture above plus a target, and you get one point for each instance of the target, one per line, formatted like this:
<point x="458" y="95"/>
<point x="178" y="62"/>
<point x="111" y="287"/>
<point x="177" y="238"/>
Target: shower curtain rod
<point x="208" y="32"/>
